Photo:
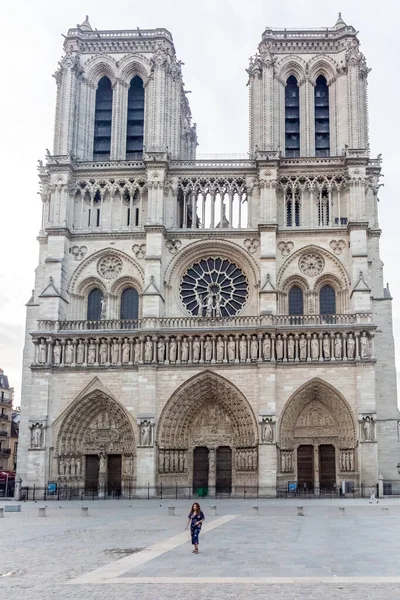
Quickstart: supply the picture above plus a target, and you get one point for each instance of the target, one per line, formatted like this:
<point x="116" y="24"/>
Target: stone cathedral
<point x="209" y="325"/>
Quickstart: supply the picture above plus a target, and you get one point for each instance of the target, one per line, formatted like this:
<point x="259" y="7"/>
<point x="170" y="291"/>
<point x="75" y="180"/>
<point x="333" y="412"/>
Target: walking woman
<point x="196" y="518"/>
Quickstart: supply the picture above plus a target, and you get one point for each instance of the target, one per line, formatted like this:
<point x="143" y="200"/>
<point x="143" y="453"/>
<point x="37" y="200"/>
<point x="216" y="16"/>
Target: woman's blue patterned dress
<point x="194" y="527"/>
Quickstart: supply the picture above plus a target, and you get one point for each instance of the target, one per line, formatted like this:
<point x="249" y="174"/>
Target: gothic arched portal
<point x="317" y="438"/>
<point x="96" y="446"/>
<point x="208" y="412"/>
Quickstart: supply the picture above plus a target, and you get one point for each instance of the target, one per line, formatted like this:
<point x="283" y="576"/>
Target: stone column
<point x="212" y="468"/>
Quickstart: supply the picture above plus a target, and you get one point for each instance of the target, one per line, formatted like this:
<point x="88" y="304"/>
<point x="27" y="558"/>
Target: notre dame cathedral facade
<point x="211" y="325"/>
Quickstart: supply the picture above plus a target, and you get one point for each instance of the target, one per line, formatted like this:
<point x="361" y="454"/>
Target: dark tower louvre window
<point x="322" y="143"/>
<point x="102" y="120"/>
<point x="296" y="301"/>
<point x="327" y="300"/>
<point x="129" y="304"/>
<point x="94" y="305"/>
<point x="135" y="124"/>
<point x="292" y="118"/>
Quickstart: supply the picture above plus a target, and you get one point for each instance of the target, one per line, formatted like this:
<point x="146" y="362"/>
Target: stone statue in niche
<point x="172" y="350"/>
<point x="243" y="348"/>
<point x="254" y="348"/>
<point x="220" y="349"/>
<point x="267" y="432"/>
<point x="368" y="429"/>
<point x="267" y="348"/>
<point x="314" y="347"/>
<point x="136" y="352"/>
<point x="148" y="350"/>
<point x="102" y="463"/>
<point x="125" y="351"/>
<point x="196" y="350"/>
<point x="351" y="344"/>
<point x="160" y="350"/>
<point x="207" y="350"/>
<point x="69" y="353"/>
<point x="57" y="353"/>
<point x="80" y="353"/>
<point x="42" y="352"/>
<point x="326" y="347"/>
<point x="338" y="347"/>
<point x="37" y="435"/>
<point x="103" y="352"/>
<point x="78" y="465"/>
<point x="302" y="347"/>
<point x="91" y="353"/>
<point x="231" y="349"/>
<point x="145" y="433"/>
<point x="184" y="350"/>
<point x="364" y="345"/>
<point x="279" y="347"/>
<point x="103" y="309"/>
<point x="115" y="352"/>
<point x="290" y="348"/>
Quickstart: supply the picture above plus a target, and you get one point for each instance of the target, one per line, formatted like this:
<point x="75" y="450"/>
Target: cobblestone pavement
<point x="275" y="554"/>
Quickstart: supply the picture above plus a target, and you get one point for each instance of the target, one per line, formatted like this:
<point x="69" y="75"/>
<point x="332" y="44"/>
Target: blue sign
<point x="52" y="488"/>
<point x="292" y="486"/>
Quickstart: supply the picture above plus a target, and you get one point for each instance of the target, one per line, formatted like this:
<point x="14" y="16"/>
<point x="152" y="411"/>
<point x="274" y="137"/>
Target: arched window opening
<point x="102" y="120"/>
<point x="292" y="208"/>
<point x="327" y="300"/>
<point x="129" y="309"/>
<point x="296" y="304"/>
<point x="292" y="118"/>
<point x="323" y="208"/>
<point x="321" y="97"/>
<point x="94" y="305"/>
<point x="135" y="124"/>
<point x="94" y="210"/>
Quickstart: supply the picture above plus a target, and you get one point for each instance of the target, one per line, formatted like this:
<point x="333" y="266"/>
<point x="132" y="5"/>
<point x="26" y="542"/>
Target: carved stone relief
<point x="173" y="246"/>
<point x="37" y="435"/>
<point x="311" y="264"/>
<point x="251" y="245"/>
<point x="285" y="248"/>
<point x="267" y="430"/>
<point x="146" y="432"/>
<point x="368" y="429"/>
<point x="139" y="250"/>
<point x="79" y="252"/>
<point x="337" y="246"/>
<point x="109" y="267"/>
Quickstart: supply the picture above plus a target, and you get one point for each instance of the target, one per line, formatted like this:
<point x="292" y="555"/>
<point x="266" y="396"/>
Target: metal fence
<point x="67" y="492"/>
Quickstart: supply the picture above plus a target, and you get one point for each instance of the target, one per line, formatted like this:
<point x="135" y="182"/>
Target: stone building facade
<point x="209" y="324"/>
<point x="6" y="400"/>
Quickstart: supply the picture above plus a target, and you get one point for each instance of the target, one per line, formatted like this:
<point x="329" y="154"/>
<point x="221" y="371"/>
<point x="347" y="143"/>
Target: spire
<point x="85" y="26"/>
<point x="340" y="23"/>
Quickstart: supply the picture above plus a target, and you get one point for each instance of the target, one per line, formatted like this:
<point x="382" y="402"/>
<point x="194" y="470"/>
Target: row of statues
<point x="71" y="465"/>
<point x="246" y="459"/>
<point x="204" y="349"/>
<point x="346" y="460"/>
<point x="172" y="461"/>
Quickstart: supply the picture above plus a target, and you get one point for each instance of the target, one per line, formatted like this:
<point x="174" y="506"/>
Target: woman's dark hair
<point x="192" y="510"/>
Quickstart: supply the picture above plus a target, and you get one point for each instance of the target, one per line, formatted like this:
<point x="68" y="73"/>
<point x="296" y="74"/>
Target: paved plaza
<point x="134" y="549"/>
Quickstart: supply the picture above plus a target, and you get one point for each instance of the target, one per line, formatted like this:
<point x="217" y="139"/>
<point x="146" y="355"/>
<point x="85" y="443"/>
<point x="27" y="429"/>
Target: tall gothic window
<point x="292" y="118"/>
<point x="292" y="208"/>
<point x="102" y="120"/>
<point x="327" y="300"/>
<point x="129" y="308"/>
<point x="321" y="95"/>
<point x="135" y="125"/>
<point x="94" y="305"/>
<point x="323" y="208"/>
<point x="295" y="301"/>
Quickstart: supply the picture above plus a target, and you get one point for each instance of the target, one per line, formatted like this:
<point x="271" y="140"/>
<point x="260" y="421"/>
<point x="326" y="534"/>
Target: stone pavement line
<point x="119" y="567"/>
<point x="251" y="580"/>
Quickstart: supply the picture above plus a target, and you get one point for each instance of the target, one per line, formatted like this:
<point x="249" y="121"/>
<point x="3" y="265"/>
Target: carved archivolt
<point x="87" y="267"/>
<point x="193" y="403"/>
<point x="315" y="410"/>
<point x="93" y="424"/>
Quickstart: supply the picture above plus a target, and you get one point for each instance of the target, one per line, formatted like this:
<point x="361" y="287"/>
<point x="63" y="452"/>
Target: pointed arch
<point x="185" y="403"/>
<point x="100" y="66"/>
<point x="318" y="392"/>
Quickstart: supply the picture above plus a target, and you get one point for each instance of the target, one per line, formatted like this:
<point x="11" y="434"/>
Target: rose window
<point x="214" y="287"/>
<point x="311" y="264"/>
<point x="109" y="267"/>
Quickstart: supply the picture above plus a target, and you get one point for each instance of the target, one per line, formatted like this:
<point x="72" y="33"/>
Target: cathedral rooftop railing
<point x="206" y="323"/>
<point x="121" y="33"/>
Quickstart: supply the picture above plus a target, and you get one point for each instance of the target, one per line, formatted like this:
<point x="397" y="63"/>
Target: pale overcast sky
<point x="214" y="39"/>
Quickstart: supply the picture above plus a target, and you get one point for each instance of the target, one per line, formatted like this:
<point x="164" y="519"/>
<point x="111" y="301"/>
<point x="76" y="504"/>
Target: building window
<point x="327" y="300"/>
<point x="321" y="95"/>
<point x="102" y="120"/>
<point x="292" y="118"/>
<point x="129" y="304"/>
<point x="94" y="305"/>
<point x="295" y="301"/>
<point x="135" y="124"/>
<point x="292" y="209"/>
<point x="323" y="208"/>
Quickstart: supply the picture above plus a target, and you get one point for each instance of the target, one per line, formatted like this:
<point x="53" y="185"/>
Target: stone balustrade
<point x="156" y="324"/>
<point x="325" y="345"/>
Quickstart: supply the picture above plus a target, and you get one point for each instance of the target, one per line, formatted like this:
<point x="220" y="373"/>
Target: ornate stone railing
<point x="205" y="323"/>
<point x="75" y="349"/>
